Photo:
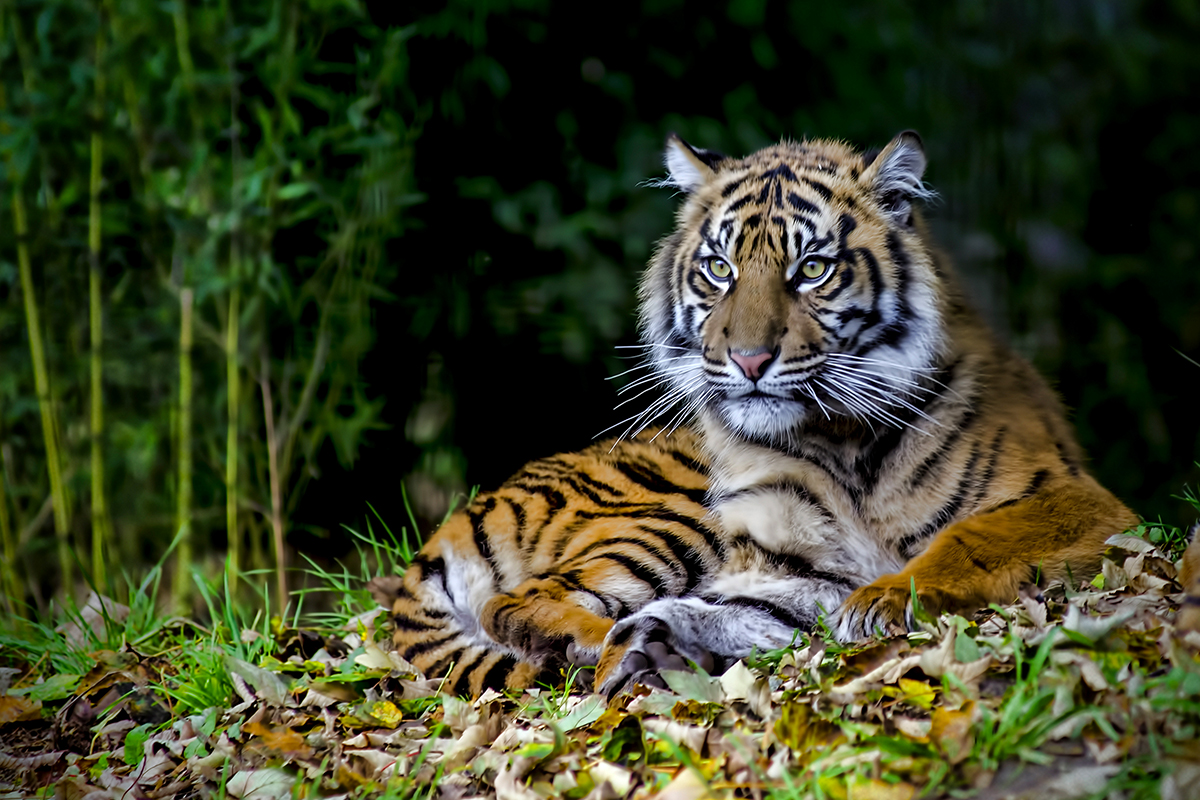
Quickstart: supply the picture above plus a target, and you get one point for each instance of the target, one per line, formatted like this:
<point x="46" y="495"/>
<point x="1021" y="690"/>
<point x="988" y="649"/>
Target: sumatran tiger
<point x="858" y="435"/>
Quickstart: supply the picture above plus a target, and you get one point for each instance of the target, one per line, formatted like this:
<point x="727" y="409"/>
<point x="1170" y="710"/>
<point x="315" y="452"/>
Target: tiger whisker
<point x="658" y="375"/>
<point x="638" y="422"/>
<point x="695" y="405"/>
<point x="857" y="408"/>
<point x="916" y="385"/>
<point x="877" y="393"/>
<point x="928" y="372"/>
<point x="868" y="406"/>
<point x="812" y="393"/>
<point x="648" y="345"/>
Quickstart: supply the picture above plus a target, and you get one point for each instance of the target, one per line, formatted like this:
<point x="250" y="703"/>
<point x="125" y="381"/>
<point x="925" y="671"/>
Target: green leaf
<point x="265" y="684"/>
<point x="966" y="649"/>
<point x="584" y="713"/>
<point x="135" y="744"/>
<point x="56" y="687"/>
<point x="624" y="743"/>
<point x="692" y="685"/>
<point x="293" y="190"/>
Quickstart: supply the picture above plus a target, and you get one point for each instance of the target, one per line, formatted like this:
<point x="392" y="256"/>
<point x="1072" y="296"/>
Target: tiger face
<point x="796" y="287"/>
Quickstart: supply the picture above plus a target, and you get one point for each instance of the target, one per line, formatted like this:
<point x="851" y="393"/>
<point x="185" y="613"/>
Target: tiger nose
<point x="753" y="364"/>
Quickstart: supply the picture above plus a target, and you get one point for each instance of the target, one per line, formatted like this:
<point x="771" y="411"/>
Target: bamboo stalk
<point x="183" y="497"/>
<point x="185" y="63"/>
<point x="41" y="382"/>
<point x="185" y="553"/>
<point x="41" y="375"/>
<point x="8" y="546"/>
<point x="233" y="375"/>
<point x="101" y="523"/>
<point x="275" y="480"/>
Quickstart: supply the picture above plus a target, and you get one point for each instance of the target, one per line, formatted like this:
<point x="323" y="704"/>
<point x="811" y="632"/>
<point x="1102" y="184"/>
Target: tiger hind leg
<point x="442" y="638"/>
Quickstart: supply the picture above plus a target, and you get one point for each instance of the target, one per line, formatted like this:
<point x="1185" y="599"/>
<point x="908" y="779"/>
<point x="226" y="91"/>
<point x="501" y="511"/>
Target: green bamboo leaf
<point x="293" y="190"/>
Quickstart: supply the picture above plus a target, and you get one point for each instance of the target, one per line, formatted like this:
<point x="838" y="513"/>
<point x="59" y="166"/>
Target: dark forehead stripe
<point x="821" y="189"/>
<point x="800" y="204"/>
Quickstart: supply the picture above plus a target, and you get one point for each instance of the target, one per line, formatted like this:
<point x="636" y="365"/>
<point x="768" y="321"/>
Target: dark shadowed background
<point x="428" y="220"/>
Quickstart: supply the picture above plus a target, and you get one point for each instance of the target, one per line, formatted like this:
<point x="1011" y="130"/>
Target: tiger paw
<point x="885" y="606"/>
<point x="638" y="649"/>
<point x="547" y="631"/>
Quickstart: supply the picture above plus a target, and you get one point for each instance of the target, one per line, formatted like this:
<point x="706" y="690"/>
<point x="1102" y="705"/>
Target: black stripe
<point x="782" y="171"/>
<point x="737" y="204"/>
<point x="989" y="471"/>
<point x="688" y="462"/>
<point x="418" y="648"/>
<point x="845" y="277"/>
<point x="1035" y="485"/>
<point x="938" y="457"/>
<point x="637" y="569"/>
<point x="820" y="188"/>
<point x="659" y="514"/>
<point x="622" y="545"/>
<point x="946" y="513"/>
<point x="518" y="511"/>
<point x="555" y="500"/>
<point x="803" y="568"/>
<point x="497" y="676"/>
<point x="1071" y="464"/>
<point x="734" y="185"/>
<point x="402" y="622"/>
<point x="784" y="615"/>
<point x="800" y="204"/>
<point x="654" y="481"/>
<point x="427" y="566"/>
<point x="482" y="542"/>
<point x="462" y="686"/>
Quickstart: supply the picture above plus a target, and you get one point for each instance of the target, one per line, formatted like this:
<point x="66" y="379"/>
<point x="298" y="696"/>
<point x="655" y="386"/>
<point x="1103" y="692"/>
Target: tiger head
<point x="797" y="286"/>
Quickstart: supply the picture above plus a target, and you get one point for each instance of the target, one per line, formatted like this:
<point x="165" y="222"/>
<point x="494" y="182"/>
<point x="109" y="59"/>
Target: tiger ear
<point x="689" y="167"/>
<point x="894" y="175"/>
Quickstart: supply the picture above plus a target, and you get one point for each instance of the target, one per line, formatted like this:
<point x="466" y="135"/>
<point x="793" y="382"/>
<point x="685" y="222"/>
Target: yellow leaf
<point x="283" y="741"/>
<point x="875" y="789"/>
<point x="18" y="709"/>
<point x="918" y="693"/>
<point x="952" y="731"/>
<point x="386" y="712"/>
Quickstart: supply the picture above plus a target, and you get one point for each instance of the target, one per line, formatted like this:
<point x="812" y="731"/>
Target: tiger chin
<point x="858" y="435"/>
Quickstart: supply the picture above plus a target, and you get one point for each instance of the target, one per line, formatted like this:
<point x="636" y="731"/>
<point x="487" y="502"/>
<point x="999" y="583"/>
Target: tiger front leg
<point x="736" y="614"/>
<point x="1057" y="534"/>
<point x="549" y="624"/>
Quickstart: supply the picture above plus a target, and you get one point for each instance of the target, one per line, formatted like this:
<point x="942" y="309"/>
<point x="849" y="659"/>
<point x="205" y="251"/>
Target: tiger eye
<point x="719" y="268"/>
<point x="814" y="268"/>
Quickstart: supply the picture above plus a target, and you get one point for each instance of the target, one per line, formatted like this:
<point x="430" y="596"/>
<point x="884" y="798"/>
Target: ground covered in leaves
<point x="1086" y="693"/>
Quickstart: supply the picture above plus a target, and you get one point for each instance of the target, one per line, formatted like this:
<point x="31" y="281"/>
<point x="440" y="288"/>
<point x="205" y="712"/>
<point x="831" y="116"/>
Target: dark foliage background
<point x="1060" y="136"/>
<point x="448" y="192"/>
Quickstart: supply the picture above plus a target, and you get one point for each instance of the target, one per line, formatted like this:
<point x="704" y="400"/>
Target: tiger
<point x="856" y="440"/>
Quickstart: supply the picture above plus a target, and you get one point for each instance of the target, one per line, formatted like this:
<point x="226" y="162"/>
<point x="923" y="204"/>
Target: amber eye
<point x="814" y="269"/>
<point x="718" y="269"/>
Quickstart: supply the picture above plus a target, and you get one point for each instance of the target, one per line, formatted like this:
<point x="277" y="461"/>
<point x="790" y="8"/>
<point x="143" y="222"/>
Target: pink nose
<point x="753" y="365"/>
